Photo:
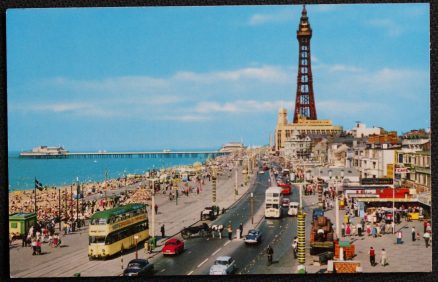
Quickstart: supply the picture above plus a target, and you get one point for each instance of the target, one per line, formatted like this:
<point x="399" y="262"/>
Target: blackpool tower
<point x="305" y="101"/>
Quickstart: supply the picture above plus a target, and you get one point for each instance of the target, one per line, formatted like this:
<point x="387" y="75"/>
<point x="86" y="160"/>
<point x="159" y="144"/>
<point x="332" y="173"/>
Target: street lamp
<point x="136" y="245"/>
<point x="252" y="208"/>
<point x="77" y="201"/>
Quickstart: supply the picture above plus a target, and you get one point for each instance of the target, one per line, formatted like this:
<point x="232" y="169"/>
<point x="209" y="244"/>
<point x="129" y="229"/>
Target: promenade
<point x="72" y="257"/>
<point x="407" y="257"/>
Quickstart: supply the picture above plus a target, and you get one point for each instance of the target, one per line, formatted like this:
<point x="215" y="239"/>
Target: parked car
<point x="285" y="202"/>
<point x="223" y="265"/>
<point x="139" y="267"/>
<point x="254" y="237"/>
<point x="173" y="247"/>
<point x="293" y="208"/>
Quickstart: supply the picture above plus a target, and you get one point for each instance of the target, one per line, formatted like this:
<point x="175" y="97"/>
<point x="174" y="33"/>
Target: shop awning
<point x="383" y="200"/>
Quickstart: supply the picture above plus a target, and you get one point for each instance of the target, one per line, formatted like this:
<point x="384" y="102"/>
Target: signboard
<point x="389" y="170"/>
<point x="376" y="181"/>
<point x="402" y="170"/>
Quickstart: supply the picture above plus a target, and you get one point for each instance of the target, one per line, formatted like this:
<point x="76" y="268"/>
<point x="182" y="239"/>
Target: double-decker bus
<point x="113" y="230"/>
<point x="272" y="202"/>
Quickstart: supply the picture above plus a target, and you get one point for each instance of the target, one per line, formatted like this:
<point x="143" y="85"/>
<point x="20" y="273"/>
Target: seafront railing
<point x="205" y="154"/>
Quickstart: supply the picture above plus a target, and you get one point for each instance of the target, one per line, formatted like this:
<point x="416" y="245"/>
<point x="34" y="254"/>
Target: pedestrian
<point x="429" y="227"/>
<point x="241" y="228"/>
<point x="374" y="231"/>
<point x="399" y="237"/>
<point x="383" y="258"/>
<point x="413" y="233"/>
<point x="34" y="246"/>
<point x="359" y="229"/>
<point x="156" y="209"/>
<point x="348" y="230"/>
<point x="197" y="190"/>
<point x="424" y="225"/>
<point x="162" y="231"/>
<point x="343" y="230"/>
<point x="230" y="232"/>
<point x="426" y="237"/>
<point x="372" y="254"/>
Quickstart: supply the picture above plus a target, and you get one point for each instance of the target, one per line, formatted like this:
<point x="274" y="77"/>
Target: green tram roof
<point x="21" y="216"/>
<point x="117" y="211"/>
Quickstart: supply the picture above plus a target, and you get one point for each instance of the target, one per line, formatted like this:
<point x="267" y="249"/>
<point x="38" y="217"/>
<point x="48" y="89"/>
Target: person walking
<point x="270" y="253"/>
<point x="230" y="232"/>
<point x="359" y="229"/>
<point x="413" y="233"/>
<point x="372" y="254"/>
<point x="163" y="231"/>
<point x="424" y="225"/>
<point x="426" y="237"/>
<point x="399" y="237"/>
<point x="156" y="209"/>
<point x="241" y="229"/>
<point x="383" y="258"/>
<point x="343" y="230"/>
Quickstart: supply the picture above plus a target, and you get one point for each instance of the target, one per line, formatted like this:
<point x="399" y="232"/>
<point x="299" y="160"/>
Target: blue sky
<point x="198" y="77"/>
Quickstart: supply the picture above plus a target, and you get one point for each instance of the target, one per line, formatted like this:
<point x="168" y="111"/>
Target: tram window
<point x="96" y="239"/>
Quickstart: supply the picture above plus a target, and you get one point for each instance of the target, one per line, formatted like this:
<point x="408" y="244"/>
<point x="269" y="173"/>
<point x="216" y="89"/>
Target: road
<point x="200" y="253"/>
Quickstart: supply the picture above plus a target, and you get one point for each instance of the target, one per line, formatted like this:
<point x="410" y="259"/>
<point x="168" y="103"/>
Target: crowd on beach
<point x="57" y="206"/>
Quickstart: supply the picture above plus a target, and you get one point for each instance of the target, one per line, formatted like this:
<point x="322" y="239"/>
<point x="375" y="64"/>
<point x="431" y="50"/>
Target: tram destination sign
<point x="376" y="181"/>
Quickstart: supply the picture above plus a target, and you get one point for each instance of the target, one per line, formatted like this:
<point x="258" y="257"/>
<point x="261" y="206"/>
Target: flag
<point x="38" y="185"/>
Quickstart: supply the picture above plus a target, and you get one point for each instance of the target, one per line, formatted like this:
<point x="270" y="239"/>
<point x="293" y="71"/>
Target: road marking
<point x="216" y="252"/>
<point x="163" y="270"/>
<point x="199" y="265"/>
<point x="227" y="243"/>
<point x="190" y="272"/>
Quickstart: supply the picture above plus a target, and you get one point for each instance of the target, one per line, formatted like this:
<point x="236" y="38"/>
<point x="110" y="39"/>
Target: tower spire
<point x="304" y="101"/>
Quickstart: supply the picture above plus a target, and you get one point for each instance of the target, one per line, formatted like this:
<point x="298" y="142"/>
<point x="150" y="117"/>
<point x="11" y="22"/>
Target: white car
<point x="223" y="265"/>
<point x="293" y="208"/>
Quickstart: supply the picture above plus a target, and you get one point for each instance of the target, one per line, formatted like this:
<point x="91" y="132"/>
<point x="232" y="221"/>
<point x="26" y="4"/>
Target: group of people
<point x="383" y="257"/>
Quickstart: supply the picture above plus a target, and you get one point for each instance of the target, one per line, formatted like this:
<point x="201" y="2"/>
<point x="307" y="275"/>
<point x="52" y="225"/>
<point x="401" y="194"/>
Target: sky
<point x="146" y="78"/>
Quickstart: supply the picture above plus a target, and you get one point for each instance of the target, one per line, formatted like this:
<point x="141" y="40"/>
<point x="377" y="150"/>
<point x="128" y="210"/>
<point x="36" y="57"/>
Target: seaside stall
<point x="20" y="223"/>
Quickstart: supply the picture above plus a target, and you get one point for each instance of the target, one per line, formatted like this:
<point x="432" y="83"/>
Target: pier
<point x="99" y="155"/>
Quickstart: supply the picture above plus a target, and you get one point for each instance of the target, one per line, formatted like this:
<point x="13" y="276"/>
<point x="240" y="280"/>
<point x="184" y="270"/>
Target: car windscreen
<point x="136" y="265"/>
<point x="220" y="262"/>
<point x="170" y="244"/>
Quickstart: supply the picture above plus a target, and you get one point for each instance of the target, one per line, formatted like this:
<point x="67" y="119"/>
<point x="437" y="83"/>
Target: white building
<point x="297" y="147"/>
<point x="362" y="131"/>
<point x="373" y="162"/>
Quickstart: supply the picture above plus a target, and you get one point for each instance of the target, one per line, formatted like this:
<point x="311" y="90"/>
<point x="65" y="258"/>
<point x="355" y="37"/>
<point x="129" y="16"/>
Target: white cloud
<point x="263" y="73"/>
<point x="241" y="106"/>
<point x="392" y="28"/>
<point x="278" y="17"/>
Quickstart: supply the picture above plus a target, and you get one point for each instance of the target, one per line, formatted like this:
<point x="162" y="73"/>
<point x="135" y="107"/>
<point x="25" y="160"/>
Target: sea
<point x="61" y="172"/>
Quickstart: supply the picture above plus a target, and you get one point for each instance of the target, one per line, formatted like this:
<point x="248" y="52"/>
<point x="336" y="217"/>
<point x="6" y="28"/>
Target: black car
<point x="139" y="267"/>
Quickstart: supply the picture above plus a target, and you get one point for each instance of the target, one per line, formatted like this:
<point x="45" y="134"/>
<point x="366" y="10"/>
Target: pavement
<point x="73" y="258"/>
<point x="407" y="257"/>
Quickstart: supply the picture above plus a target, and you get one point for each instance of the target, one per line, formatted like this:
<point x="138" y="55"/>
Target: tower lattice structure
<point x="305" y="101"/>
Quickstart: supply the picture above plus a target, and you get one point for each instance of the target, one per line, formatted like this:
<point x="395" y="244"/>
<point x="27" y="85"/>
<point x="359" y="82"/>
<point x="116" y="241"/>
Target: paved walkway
<point x="407" y="257"/>
<point x="64" y="262"/>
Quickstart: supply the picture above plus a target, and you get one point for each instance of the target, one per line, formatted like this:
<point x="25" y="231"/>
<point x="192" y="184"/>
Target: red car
<point x="173" y="247"/>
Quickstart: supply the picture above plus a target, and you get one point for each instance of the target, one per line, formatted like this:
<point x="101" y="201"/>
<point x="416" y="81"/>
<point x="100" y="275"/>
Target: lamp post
<point x="77" y="200"/>
<point x="252" y="208"/>
<point x="59" y="208"/>
<point x="235" y="184"/>
<point x="136" y="246"/>
<point x="153" y="212"/>
<point x="213" y="184"/>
